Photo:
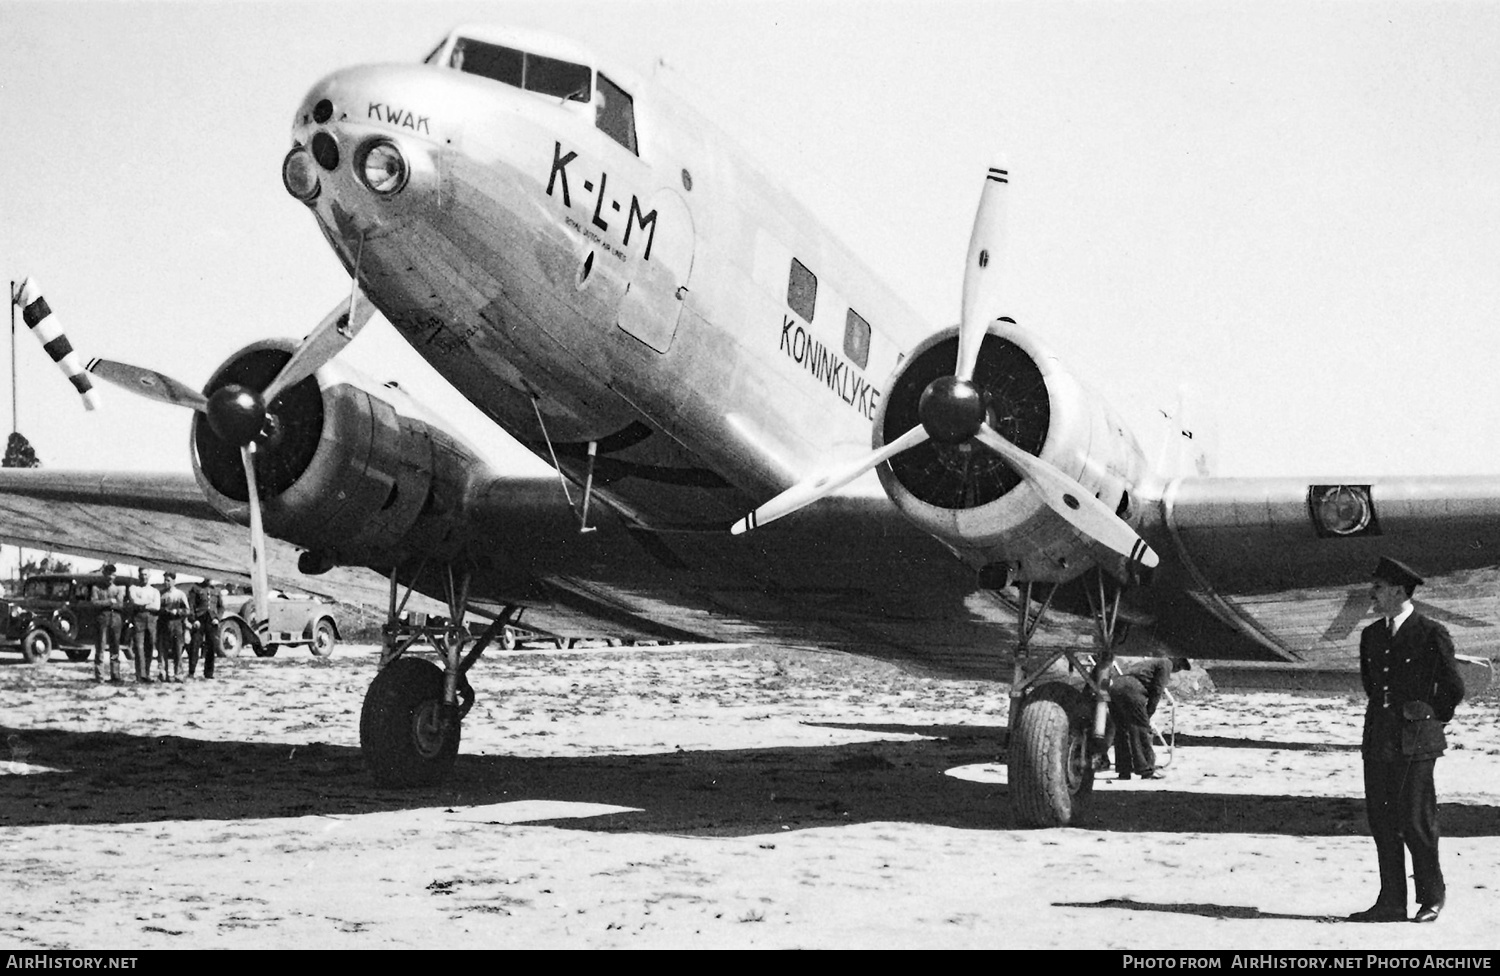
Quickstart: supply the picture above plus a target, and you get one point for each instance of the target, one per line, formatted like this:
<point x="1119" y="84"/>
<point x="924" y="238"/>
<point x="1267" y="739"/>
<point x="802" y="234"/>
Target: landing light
<point x="382" y="167"/>
<point x="300" y="176"/>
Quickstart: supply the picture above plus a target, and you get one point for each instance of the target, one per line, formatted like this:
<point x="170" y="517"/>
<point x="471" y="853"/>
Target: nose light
<point x="382" y="167"/>
<point x="299" y="176"/>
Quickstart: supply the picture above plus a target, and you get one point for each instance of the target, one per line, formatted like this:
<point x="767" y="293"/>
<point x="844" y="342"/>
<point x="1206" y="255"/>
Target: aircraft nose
<point x="361" y="138"/>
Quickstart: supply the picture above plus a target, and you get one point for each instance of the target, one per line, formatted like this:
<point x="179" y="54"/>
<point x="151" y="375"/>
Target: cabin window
<point x="533" y="72"/>
<point x="802" y="290"/>
<point x="614" y="114"/>
<point x="857" y="339"/>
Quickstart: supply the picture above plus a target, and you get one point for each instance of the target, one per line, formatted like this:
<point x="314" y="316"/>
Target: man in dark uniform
<point x="205" y="606"/>
<point x="1406" y="663"/>
<point x="1133" y="698"/>
<point x="110" y="595"/>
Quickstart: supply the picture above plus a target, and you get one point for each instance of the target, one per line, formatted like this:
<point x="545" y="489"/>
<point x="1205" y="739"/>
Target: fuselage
<point x="590" y="261"/>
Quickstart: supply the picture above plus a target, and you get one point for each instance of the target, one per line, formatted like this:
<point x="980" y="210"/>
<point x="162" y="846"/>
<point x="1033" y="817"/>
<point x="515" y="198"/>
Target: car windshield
<point x="533" y="72"/>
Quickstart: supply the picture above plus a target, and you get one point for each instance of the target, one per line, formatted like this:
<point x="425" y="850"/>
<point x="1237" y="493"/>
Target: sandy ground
<point x="689" y="797"/>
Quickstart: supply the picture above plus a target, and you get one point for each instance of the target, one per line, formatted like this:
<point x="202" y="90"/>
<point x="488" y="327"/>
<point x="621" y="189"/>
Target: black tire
<point x="76" y="653"/>
<point x="231" y="639"/>
<point x="402" y="733"/>
<point x="1051" y="775"/>
<point x="36" y="646"/>
<point x="325" y="638"/>
<point x="266" y="650"/>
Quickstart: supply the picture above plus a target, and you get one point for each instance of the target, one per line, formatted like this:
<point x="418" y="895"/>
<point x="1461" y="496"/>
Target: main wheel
<point x="406" y="738"/>
<point x="1050" y="775"/>
<point x="36" y="646"/>
<point x="266" y="650"/>
<point x="324" y="638"/>
<point x="78" y="653"/>
<point x="507" y="639"/>
<point x="231" y="639"/>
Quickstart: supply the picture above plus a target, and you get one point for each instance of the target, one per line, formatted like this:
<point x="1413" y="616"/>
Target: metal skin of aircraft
<point x="601" y="273"/>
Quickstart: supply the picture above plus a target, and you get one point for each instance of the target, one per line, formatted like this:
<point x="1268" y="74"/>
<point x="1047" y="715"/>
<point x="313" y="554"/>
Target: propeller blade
<point x="983" y="275"/>
<point x="804" y="493"/>
<point x="337" y="330"/>
<point x="259" y="585"/>
<point x="48" y="331"/>
<point x="1071" y="500"/>
<point x="148" y="383"/>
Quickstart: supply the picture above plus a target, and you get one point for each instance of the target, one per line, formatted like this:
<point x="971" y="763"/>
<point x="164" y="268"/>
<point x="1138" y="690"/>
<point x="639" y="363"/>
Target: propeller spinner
<point x="954" y="410"/>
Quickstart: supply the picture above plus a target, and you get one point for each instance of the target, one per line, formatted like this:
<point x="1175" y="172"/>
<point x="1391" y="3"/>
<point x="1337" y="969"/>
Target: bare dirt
<point x="689" y="797"/>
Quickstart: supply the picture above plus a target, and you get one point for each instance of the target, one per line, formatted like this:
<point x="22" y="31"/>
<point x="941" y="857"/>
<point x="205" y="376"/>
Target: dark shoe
<point x="1123" y="776"/>
<point x="1428" y="912"/>
<point x="1154" y="774"/>
<point x="1380" y="913"/>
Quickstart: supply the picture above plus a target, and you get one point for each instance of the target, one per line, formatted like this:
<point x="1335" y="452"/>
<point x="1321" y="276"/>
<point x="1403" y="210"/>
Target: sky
<point x="1293" y="208"/>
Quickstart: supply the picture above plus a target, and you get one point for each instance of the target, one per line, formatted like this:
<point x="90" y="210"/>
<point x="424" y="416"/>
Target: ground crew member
<point x="1407" y="666"/>
<point x="1133" y="698"/>
<point x="143" y="601"/>
<point x="171" y="628"/>
<point x="110" y="596"/>
<point x="206" y="605"/>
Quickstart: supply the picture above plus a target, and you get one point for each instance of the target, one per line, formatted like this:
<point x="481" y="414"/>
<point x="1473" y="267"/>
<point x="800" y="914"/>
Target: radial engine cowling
<point x="965" y="495"/>
<point x="352" y="471"/>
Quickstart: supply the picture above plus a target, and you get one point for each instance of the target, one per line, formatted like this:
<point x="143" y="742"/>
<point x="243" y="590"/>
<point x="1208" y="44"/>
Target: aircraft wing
<point x="160" y="520"/>
<point x="1285" y="563"/>
<point x="1251" y="568"/>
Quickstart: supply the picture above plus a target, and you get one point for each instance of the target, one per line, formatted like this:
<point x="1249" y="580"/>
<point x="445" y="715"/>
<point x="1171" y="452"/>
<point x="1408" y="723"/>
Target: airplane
<point x="713" y="376"/>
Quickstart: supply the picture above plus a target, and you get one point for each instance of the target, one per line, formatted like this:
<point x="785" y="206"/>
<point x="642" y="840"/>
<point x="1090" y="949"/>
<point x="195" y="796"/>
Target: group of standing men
<point x="156" y="624"/>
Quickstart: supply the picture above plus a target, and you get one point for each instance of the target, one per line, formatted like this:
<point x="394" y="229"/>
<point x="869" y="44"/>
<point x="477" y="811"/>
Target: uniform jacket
<point x="1401" y="675"/>
<point x="206" y="600"/>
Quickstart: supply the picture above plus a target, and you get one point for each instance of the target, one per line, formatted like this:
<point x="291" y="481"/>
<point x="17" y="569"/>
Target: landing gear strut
<point x="1057" y="725"/>
<point x="411" y="722"/>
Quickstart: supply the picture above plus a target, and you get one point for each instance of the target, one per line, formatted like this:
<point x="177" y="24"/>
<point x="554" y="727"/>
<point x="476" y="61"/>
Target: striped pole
<point x="45" y="327"/>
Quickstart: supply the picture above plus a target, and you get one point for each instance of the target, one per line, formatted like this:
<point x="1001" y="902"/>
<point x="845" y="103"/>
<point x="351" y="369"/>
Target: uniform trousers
<point x="205" y="642"/>
<point x="110" y="624"/>
<point x="1127" y="707"/>
<point x="170" y="636"/>
<point x="143" y="642"/>
<point x="1401" y="804"/>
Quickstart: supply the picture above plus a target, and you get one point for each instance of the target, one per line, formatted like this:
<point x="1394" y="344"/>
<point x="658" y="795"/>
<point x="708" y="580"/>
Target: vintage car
<point x="50" y="611"/>
<point x="296" y="621"/>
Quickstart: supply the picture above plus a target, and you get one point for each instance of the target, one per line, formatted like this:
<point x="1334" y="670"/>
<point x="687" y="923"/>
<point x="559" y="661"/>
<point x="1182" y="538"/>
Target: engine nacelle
<point x="353" y="471"/>
<point x="965" y="495"/>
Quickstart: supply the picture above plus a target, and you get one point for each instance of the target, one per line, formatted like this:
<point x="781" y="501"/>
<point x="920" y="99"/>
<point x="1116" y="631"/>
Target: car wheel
<point x="231" y="639"/>
<point x="36" y="646"/>
<point x="324" y="638"/>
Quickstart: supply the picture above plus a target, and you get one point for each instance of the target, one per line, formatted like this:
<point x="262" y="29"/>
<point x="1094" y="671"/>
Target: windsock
<point x="49" y="333"/>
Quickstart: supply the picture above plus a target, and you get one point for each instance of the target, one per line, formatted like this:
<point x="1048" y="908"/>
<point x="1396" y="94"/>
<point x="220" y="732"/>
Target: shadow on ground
<point x="116" y="778"/>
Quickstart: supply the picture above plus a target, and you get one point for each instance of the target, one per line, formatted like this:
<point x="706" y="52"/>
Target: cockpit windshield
<point x="533" y="72"/>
